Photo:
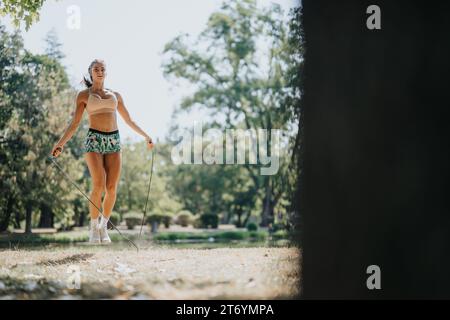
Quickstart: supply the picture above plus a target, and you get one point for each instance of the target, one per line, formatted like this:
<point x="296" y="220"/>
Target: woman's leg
<point x="94" y="161"/>
<point x="113" y="165"/>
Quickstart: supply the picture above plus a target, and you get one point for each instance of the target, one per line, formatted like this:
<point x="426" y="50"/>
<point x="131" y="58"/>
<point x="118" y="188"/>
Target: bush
<point x="232" y="235"/>
<point x="197" y="223"/>
<point x="184" y="218"/>
<point x="154" y="217"/>
<point x="208" y="219"/>
<point x="257" y="235"/>
<point x="166" y="220"/>
<point x="171" y="236"/>
<point x="221" y="236"/>
<point x="277" y="226"/>
<point x="132" y="219"/>
<point x="114" y="218"/>
<point x="252" y="226"/>
<point x="154" y="220"/>
<point x="280" y="234"/>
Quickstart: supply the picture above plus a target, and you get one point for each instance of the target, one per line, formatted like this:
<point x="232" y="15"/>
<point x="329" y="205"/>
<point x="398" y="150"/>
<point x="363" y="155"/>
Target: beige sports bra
<point x="97" y="104"/>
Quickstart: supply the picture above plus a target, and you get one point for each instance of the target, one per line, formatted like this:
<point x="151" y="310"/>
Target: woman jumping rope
<point x="102" y="144"/>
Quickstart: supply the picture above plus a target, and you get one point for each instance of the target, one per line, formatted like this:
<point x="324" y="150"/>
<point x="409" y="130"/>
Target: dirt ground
<point x="105" y="272"/>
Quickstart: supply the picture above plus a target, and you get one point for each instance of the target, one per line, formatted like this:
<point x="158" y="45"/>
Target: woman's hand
<point x="149" y="143"/>
<point x="57" y="149"/>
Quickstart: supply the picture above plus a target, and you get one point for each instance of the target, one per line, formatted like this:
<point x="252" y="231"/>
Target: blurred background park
<point x="233" y="64"/>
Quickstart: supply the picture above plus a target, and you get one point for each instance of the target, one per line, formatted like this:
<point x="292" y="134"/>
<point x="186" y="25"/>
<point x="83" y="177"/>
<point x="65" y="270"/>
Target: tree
<point x="21" y="10"/>
<point x="239" y="65"/>
<point x="10" y="48"/>
<point x="53" y="48"/>
<point x="136" y="169"/>
<point x="295" y="51"/>
<point x="36" y="95"/>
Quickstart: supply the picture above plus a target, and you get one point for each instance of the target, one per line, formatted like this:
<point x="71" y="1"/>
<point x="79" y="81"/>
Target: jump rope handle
<point x="58" y="148"/>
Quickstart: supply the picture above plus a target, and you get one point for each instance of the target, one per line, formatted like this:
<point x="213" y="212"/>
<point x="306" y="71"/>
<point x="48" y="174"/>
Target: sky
<point x="130" y="37"/>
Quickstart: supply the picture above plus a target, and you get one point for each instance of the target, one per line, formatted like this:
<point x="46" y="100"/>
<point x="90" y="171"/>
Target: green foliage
<point x="66" y="223"/>
<point x="209" y="220"/>
<point x="197" y="222"/>
<point x="132" y="219"/>
<point x="232" y="235"/>
<point x="277" y="227"/>
<point x="21" y="10"/>
<point x="166" y="220"/>
<point x="184" y="218"/>
<point x="152" y="218"/>
<point x="134" y="178"/>
<point x="240" y="66"/>
<point x="252" y="226"/>
<point x="136" y="167"/>
<point x="244" y="68"/>
<point x="42" y="239"/>
<point x="53" y="48"/>
<point x="114" y="218"/>
<point x="156" y="219"/>
<point x="220" y="236"/>
<point x="280" y="234"/>
<point x="293" y="101"/>
<point x="257" y="235"/>
<point x="34" y="96"/>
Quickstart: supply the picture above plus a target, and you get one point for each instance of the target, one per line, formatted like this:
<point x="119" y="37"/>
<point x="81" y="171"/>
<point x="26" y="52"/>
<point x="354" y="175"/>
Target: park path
<point x="105" y="272"/>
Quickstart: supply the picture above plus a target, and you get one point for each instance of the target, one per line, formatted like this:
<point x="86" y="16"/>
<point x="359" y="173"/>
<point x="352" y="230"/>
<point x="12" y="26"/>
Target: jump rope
<point x="52" y="159"/>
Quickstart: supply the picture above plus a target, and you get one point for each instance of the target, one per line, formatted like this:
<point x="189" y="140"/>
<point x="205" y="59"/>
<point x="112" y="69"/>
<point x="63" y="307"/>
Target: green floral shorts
<point x="102" y="142"/>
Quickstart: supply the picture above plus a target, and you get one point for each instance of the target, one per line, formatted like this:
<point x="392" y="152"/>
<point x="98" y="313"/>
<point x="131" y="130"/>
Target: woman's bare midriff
<point x="105" y="122"/>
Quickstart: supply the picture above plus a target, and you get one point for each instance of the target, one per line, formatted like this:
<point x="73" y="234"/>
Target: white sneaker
<point x="94" y="234"/>
<point x="103" y="230"/>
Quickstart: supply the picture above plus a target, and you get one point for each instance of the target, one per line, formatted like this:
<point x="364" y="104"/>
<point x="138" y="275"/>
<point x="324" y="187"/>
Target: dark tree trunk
<point x="17" y="220"/>
<point x="79" y="213"/>
<point x="239" y="214"/>
<point x="81" y="219"/>
<point x="155" y="227"/>
<point x="4" y="223"/>
<point x="267" y="214"/>
<point x="246" y="218"/>
<point x="129" y="197"/>
<point x="376" y="155"/>
<point x="228" y="216"/>
<point x="28" y="213"/>
<point x="46" y="218"/>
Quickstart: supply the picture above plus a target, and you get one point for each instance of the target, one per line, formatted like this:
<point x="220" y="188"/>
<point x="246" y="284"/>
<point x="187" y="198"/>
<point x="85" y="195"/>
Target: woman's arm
<point x="128" y="120"/>
<point x="72" y="128"/>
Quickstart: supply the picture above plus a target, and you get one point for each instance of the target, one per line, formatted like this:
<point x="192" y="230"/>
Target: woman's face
<point x="98" y="72"/>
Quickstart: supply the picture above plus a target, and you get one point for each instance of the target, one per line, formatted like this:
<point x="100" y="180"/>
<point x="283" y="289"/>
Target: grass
<point x="280" y="234"/>
<point x="74" y="237"/>
<point x="64" y="238"/>
<point x="18" y="239"/>
<point x="221" y="235"/>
